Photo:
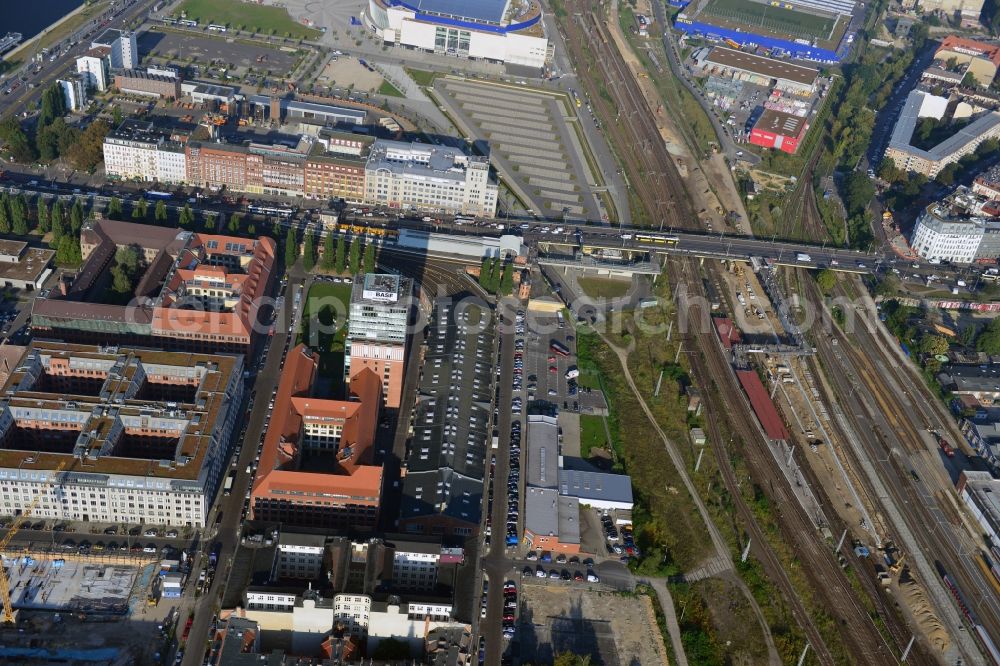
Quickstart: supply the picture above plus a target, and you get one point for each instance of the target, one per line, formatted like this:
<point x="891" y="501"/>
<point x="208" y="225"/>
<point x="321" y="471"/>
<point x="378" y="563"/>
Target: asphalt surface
<point x="26" y="96"/>
<point x="228" y="512"/>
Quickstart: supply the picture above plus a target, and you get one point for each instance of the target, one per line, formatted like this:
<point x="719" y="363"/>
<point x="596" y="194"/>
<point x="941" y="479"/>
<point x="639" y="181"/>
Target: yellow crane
<point x="8" y="609"/>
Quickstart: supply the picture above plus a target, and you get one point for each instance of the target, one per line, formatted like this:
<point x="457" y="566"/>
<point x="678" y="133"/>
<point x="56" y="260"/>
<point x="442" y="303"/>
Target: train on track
<point x="970" y="617"/>
<point x="656" y="239"/>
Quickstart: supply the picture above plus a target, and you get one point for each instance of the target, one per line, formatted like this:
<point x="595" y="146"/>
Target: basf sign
<point x="381" y="287"/>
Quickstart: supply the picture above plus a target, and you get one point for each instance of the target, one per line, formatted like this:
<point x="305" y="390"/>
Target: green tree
<point x="946" y="176"/>
<point x="967" y="336"/>
<point x="354" y="256"/>
<point x="88" y="151"/>
<point x="858" y="190"/>
<point x="19" y="215"/>
<point x="43" y="216"/>
<point x="933" y="344"/>
<point x="369" y="258"/>
<point x="276" y="230"/>
<point x="328" y="252"/>
<point x="115" y="208"/>
<point x="391" y="649"/>
<point x="826" y="279"/>
<point x="291" y="249"/>
<point x="17" y="142"/>
<point x="76" y="217"/>
<point x="507" y="280"/>
<point x="308" y="253"/>
<point x="55" y="139"/>
<point x="209" y="222"/>
<point x="53" y="105"/>
<point x="58" y="223"/>
<point x="140" y="209"/>
<point x="252" y="230"/>
<point x="889" y="172"/>
<point x="495" y="271"/>
<point x="234" y="224"/>
<point x="338" y="261"/>
<point x="970" y="81"/>
<point x="68" y="252"/>
<point x="484" y="274"/>
<point x="186" y="216"/>
<point x="988" y="340"/>
<point x="160" y="215"/>
<point x="4" y="213"/>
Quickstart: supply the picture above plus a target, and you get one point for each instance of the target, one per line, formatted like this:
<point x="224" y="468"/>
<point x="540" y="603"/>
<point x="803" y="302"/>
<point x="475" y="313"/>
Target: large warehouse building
<point x="508" y="31"/>
<point x="778" y="130"/>
<point x="142" y="436"/>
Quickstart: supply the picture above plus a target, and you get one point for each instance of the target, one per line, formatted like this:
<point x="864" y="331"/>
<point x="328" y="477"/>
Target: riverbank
<point x="57" y="31"/>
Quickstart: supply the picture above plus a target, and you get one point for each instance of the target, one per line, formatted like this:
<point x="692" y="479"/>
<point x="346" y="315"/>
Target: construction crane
<point x="8" y="609"/>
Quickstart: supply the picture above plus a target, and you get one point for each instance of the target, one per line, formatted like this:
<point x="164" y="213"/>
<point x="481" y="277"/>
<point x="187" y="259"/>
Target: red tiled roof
<point x="766" y="413"/>
<point x="990" y="51"/>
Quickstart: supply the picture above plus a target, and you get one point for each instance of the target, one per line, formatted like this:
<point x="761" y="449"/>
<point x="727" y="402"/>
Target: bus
<point x="278" y="211"/>
<point x="227" y="489"/>
<point x="157" y="194"/>
<point x="215" y="27"/>
<point x="561" y="319"/>
<point x="559" y="348"/>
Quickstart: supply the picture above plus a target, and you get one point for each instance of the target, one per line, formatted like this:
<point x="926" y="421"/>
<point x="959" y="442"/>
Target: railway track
<point x="629" y="121"/>
<point x="832" y="588"/>
<point x="890" y="428"/>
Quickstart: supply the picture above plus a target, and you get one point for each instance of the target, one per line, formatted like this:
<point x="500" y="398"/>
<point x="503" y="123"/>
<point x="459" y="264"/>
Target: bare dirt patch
<point x="613" y="628"/>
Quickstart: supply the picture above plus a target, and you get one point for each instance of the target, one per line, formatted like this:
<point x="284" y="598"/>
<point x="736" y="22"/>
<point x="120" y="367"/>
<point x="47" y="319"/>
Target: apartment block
<point x="142" y="436"/>
<point x="137" y="151"/>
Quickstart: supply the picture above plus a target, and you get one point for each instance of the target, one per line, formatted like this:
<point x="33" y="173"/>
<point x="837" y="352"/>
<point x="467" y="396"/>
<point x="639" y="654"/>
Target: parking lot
<point x="240" y="55"/>
<point x="549" y="361"/>
<point x="530" y="141"/>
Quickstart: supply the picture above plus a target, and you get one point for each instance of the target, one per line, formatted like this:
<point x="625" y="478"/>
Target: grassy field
<point x="422" y="77"/>
<point x="236" y="14"/>
<point x="604" y="287"/>
<point x="776" y="20"/>
<point x="327" y="304"/>
<point x="389" y="90"/>
<point x="592" y="434"/>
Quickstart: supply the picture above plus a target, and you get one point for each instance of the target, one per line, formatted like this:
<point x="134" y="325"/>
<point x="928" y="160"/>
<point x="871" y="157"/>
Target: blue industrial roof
<point x="475" y="10"/>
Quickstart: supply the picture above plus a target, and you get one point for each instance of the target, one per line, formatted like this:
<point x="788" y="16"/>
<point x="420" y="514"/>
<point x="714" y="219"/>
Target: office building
<point x="199" y="292"/>
<point x="961" y="228"/>
<point x="963" y="142"/>
<point x="74" y="91"/>
<point x="377" y="331"/>
<point x="139" y="82"/>
<point x="122" y="46"/>
<point x="142" y="436"/>
<point x="343" y="430"/>
<point x="432" y="178"/>
<point x="493" y="30"/>
<point x="138" y="151"/>
<point x="95" y="65"/>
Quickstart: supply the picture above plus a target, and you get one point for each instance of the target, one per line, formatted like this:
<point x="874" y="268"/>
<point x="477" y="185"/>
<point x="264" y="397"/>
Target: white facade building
<point x="128" y="51"/>
<point x="937" y="237"/>
<point x="95" y="65"/>
<point x="120" y="437"/>
<point x="497" y="30"/>
<point x="136" y="151"/>
<point x="74" y="92"/>
<point x="415" y="565"/>
<point x="300" y="556"/>
<point x="422" y="177"/>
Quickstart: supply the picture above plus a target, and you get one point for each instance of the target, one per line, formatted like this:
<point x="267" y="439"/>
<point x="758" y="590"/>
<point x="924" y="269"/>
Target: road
<point x="229" y="511"/>
<point x="682" y="73"/>
<point x="25" y="96"/>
